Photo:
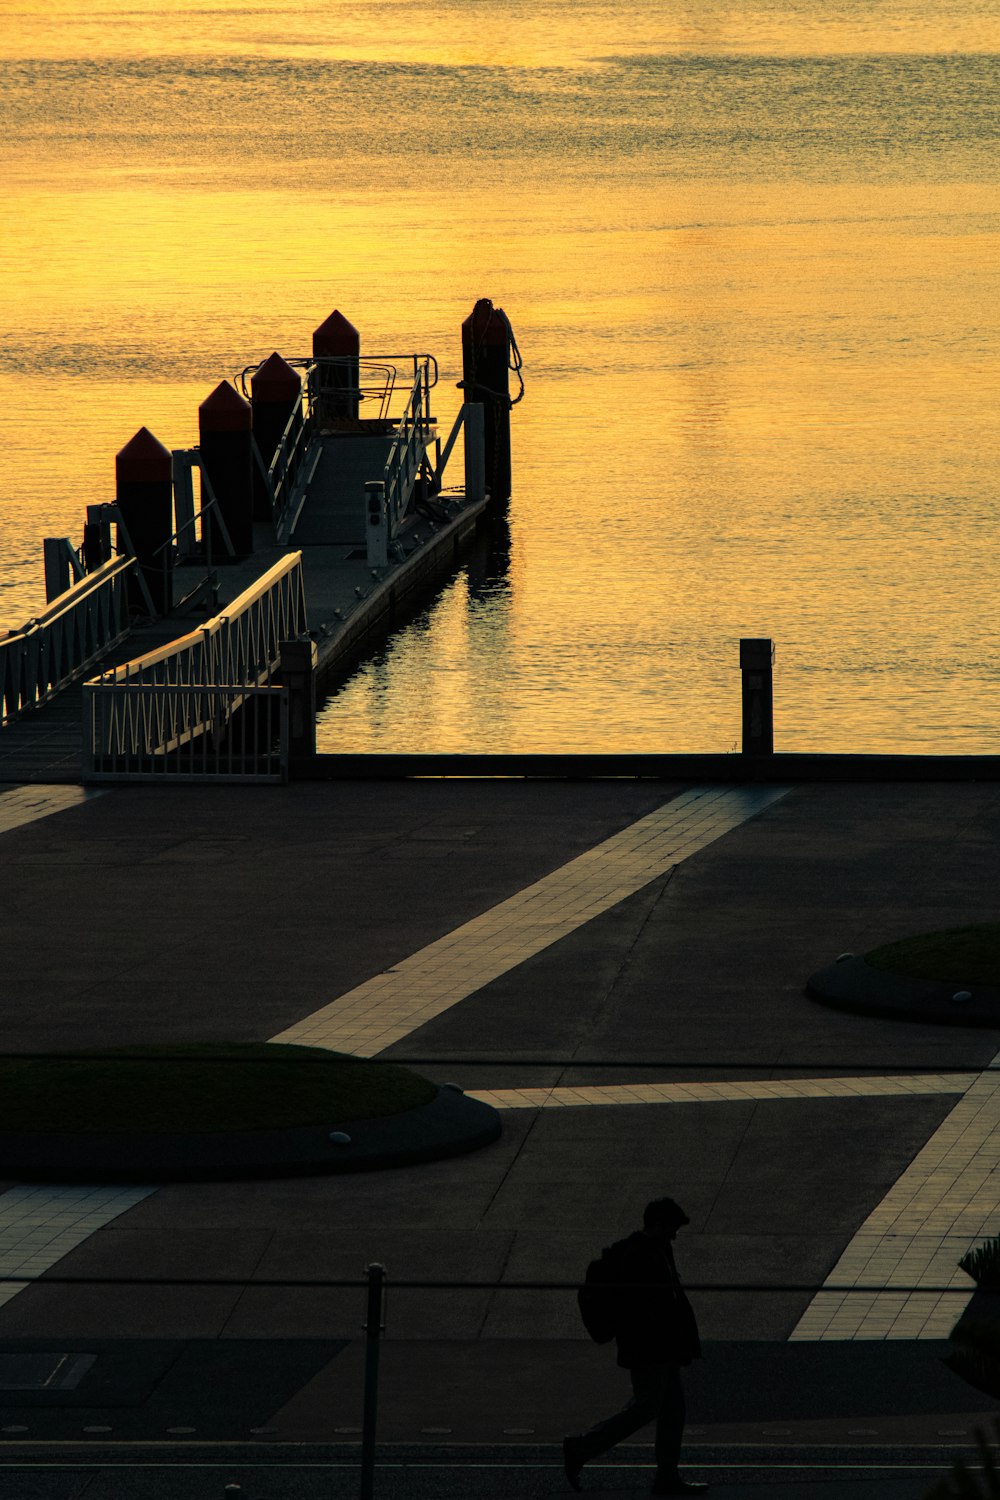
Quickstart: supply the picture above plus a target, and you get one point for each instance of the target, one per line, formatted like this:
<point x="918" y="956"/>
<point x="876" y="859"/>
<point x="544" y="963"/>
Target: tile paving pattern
<point x="26" y="804"/>
<point x="558" y="1097"/>
<point x="39" y="1224"/>
<point x="946" y="1201"/>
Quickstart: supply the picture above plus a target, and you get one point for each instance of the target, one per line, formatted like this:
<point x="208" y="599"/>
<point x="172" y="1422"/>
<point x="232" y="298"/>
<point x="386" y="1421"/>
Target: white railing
<point x="149" y="732"/>
<point x="408" y="451"/>
<point x="137" y="717"/>
<point x="289" y="473"/>
<point x="78" y="627"/>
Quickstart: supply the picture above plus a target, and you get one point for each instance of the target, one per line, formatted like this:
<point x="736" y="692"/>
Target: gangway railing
<point x="408" y="451"/>
<point x="54" y="649"/>
<point x="173" y="712"/>
<point x="337" y="381"/>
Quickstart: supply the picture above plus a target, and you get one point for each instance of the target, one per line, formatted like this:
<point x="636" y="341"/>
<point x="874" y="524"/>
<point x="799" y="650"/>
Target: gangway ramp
<point x="333" y="509"/>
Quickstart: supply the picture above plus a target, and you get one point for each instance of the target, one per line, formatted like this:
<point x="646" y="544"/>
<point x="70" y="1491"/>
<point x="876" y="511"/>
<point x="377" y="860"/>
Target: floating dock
<point x="229" y="582"/>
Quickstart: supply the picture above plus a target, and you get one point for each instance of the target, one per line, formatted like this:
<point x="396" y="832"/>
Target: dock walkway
<point x="347" y="606"/>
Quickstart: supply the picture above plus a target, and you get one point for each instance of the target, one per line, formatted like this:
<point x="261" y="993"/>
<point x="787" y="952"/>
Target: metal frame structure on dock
<point x="207" y="705"/>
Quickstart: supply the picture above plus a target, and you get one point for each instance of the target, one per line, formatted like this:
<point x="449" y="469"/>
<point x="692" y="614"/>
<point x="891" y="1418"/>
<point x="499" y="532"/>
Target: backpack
<point x="599" y="1301"/>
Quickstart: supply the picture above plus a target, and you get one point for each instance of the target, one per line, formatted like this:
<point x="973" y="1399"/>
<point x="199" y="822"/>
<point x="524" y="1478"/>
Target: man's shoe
<point x="678" y="1487"/>
<point x="572" y="1462"/>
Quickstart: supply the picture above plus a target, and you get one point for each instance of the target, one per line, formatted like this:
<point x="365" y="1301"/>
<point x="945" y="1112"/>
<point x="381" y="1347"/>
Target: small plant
<point x="975" y="1338"/>
<point x="975" y="1356"/>
<point x="983" y="1264"/>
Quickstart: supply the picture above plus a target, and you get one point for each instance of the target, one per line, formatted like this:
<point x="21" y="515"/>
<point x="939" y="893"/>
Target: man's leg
<point x="669" y="1436"/>
<point x="669" y="1424"/>
<point x="642" y="1408"/>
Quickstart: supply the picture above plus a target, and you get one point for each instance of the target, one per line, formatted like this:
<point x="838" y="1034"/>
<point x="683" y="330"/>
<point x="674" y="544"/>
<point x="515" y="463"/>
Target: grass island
<point x="199" y="1088"/>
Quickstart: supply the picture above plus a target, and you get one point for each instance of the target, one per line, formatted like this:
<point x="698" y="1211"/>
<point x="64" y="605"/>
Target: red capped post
<point x="225" y="437"/>
<point x="145" y="494"/>
<point x="275" y="394"/>
<point x="337" y="348"/>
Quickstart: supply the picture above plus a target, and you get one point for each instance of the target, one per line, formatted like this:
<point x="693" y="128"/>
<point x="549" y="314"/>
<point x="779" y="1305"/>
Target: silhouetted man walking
<point x="656" y="1333"/>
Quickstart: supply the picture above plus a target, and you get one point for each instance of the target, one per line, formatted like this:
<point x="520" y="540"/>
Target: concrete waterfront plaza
<point x="633" y="1003"/>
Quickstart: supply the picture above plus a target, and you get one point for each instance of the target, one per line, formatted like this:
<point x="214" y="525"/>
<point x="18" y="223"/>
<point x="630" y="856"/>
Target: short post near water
<point x="757" y="667"/>
<point x="297" y="662"/>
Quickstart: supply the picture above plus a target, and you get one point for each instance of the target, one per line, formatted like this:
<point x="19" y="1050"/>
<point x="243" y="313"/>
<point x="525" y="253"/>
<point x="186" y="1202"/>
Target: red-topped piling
<point x="275" y="393"/>
<point x="225" y="441"/>
<point x="144" y="489"/>
<point x="337" y="343"/>
<point x="485" y="366"/>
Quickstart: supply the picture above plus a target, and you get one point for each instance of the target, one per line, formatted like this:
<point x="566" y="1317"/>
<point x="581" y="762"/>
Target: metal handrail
<point x="407" y="452"/>
<point x="380" y="389"/>
<point x="53" y="649"/>
<point x="235" y="648"/>
<point x="287" y="464"/>
<point x="149" y="731"/>
<point x="290" y="472"/>
<point x="191" y="688"/>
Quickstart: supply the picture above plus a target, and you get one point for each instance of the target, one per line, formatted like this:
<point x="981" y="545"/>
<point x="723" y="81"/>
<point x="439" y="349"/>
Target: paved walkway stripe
<point x="391" y="1005"/>
<point x="39" y="1224"/>
<point x="26" y="804"/>
<point x="723" y="1092"/>
<point x="944" y="1204"/>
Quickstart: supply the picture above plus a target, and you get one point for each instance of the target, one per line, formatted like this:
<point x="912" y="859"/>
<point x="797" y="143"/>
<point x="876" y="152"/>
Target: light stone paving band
<point x="389" y="1006"/>
<point x="946" y="1201"/>
<point x="26" y="804"/>
<point x="723" y="1092"/>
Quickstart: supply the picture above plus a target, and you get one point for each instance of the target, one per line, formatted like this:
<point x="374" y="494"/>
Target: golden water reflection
<point x="759" y="366"/>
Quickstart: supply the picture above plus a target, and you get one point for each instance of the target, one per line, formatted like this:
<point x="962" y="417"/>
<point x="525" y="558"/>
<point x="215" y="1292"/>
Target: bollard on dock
<point x="275" y="393"/>
<point x="145" y="493"/>
<point x="225" y="440"/>
<point x="338" y="341"/>
<point x="486" y="380"/>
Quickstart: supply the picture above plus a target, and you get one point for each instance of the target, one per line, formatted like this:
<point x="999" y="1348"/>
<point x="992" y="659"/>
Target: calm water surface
<point x="751" y="256"/>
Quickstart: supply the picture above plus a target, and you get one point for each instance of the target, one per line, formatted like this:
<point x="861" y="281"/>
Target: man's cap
<point x="665" y="1211"/>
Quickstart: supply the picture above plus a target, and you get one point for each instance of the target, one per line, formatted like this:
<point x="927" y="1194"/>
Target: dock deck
<point x="346" y="604"/>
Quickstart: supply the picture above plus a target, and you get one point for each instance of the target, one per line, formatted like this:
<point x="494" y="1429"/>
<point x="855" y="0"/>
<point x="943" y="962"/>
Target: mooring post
<point x="338" y="341"/>
<point x="57" y="570"/>
<point x="373" y="1333"/>
<point x="757" y="665"/>
<point x="275" y="392"/>
<point x="475" y="451"/>
<point x="297" y="663"/>
<point x="485" y="379"/>
<point x="96" y="541"/>
<point x="144" y="471"/>
<point x="225" y="441"/>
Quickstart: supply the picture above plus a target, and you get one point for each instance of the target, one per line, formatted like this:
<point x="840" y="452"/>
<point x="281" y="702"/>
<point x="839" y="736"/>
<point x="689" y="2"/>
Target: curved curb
<point x="851" y="984"/>
<point x="448" y="1125"/>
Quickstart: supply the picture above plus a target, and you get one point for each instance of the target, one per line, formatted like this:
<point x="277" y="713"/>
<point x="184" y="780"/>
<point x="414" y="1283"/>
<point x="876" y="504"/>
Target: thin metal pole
<point x="373" y="1330"/>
